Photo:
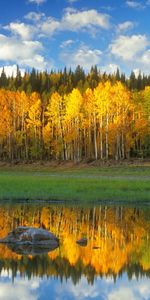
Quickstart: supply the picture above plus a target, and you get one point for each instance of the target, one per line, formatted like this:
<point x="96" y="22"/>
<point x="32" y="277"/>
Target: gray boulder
<point x="30" y="236"/>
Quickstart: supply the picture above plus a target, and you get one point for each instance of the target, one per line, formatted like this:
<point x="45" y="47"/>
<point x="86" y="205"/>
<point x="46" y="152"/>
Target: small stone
<point x="82" y="242"/>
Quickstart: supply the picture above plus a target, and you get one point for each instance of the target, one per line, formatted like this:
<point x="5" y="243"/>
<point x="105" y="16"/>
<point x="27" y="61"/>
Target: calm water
<point x="115" y="264"/>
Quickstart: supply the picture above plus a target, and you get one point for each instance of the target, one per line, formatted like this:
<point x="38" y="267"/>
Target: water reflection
<point x="118" y="250"/>
<point x="26" y="249"/>
<point x="52" y="289"/>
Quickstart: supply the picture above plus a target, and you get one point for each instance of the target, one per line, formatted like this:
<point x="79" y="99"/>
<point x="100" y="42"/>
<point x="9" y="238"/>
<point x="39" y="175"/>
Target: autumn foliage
<point x="108" y="121"/>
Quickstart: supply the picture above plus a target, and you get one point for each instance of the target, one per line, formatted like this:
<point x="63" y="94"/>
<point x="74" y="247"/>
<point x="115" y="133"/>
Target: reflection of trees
<point x="45" y="267"/>
<point x="118" y="241"/>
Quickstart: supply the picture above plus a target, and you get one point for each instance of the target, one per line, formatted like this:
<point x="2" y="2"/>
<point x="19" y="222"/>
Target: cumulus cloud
<point x="38" y="62"/>
<point x="23" y="30"/>
<point x="128" y="47"/>
<point x="76" y="20"/>
<point x="26" y="53"/>
<point x="49" y="26"/>
<point x="72" y="20"/>
<point x="11" y="48"/>
<point x="125" y="26"/>
<point x="83" y="56"/>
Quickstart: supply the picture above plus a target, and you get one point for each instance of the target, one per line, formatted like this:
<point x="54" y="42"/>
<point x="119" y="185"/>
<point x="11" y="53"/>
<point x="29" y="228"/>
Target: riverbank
<point x="87" y="183"/>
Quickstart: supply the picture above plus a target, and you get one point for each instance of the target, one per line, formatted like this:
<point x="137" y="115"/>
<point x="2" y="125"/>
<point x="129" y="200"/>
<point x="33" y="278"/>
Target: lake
<point x="114" y="265"/>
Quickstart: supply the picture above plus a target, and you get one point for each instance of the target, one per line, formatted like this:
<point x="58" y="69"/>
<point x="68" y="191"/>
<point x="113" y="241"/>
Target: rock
<point x="33" y="249"/>
<point x="29" y="235"/>
<point x="82" y="242"/>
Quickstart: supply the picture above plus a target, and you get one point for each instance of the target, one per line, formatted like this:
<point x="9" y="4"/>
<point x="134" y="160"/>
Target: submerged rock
<point x="30" y="235"/>
<point x="82" y="242"/>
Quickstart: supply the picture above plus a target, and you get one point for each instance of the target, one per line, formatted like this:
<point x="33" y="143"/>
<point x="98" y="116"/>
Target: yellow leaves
<point x="55" y="108"/>
<point x="73" y="105"/>
<point x="47" y="133"/>
<point x="98" y="124"/>
<point x="34" y="114"/>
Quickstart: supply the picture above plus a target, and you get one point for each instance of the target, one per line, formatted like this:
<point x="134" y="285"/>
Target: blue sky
<point x="49" y="34"/>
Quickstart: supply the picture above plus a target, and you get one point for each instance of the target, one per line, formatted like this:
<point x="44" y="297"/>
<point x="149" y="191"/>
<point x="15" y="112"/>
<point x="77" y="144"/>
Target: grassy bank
<point x="115" y="183"/>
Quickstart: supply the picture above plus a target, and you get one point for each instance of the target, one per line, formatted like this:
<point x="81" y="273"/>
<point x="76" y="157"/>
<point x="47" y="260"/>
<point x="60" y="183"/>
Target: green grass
<point x="85" y="184"/>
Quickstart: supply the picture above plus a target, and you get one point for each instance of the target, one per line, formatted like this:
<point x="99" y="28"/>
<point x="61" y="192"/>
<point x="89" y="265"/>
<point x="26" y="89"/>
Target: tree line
<point x="63" y="81"/>
<point x="104" y="120"/>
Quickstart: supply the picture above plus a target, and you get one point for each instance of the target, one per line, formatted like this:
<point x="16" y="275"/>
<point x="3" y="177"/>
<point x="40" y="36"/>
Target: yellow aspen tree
<point x="89" y="108"/>
<point x="121" y="110"/>
<point x="33" y="122"/>
<point x="55" y="117"/>
<point x="103" y="101"/>
<point x="73" y="118"/>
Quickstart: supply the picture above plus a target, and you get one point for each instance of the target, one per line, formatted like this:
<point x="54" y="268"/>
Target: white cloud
<point x="49" y="26"/>
<point x="6" y="273"/>
<point x="135" y="291"/>
<point x="38" y="2"/>
<point x="33" y="16"/>
<point x="143" y="62"/>
<point x="82" y="290"/>
<point x="11" y="70"/>
<point x="83" y="56"/>
<point x="135" y="4"/>
<point x="123" y="294"/>
<point x="37" y="62"/>
<point x="66" y="43"/>
<point x="128" y="47"/>
<point x="74" y="20"/>
<point x="24" y="53"/>
<point x="23" y="30"/>
<point x="109" y="69"/>
<point x="11" y="48"/>
<point x="125" y="26"/>
<point x="144" y="291"/>
<point x="136" y="72"/>
<point x="21" y="289"/>
<point x="146" y="57"/>
<point x="88" y="19"/>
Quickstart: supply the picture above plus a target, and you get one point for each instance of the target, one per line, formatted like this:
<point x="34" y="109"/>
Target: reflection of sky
<point x="53" y="289"/>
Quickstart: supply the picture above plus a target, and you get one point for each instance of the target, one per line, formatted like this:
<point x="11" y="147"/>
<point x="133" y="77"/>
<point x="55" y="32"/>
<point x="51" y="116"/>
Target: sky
<point x="52" y="34"/>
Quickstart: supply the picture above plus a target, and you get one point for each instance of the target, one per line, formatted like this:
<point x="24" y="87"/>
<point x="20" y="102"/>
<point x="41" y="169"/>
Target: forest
<point x="74" y="115"/>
